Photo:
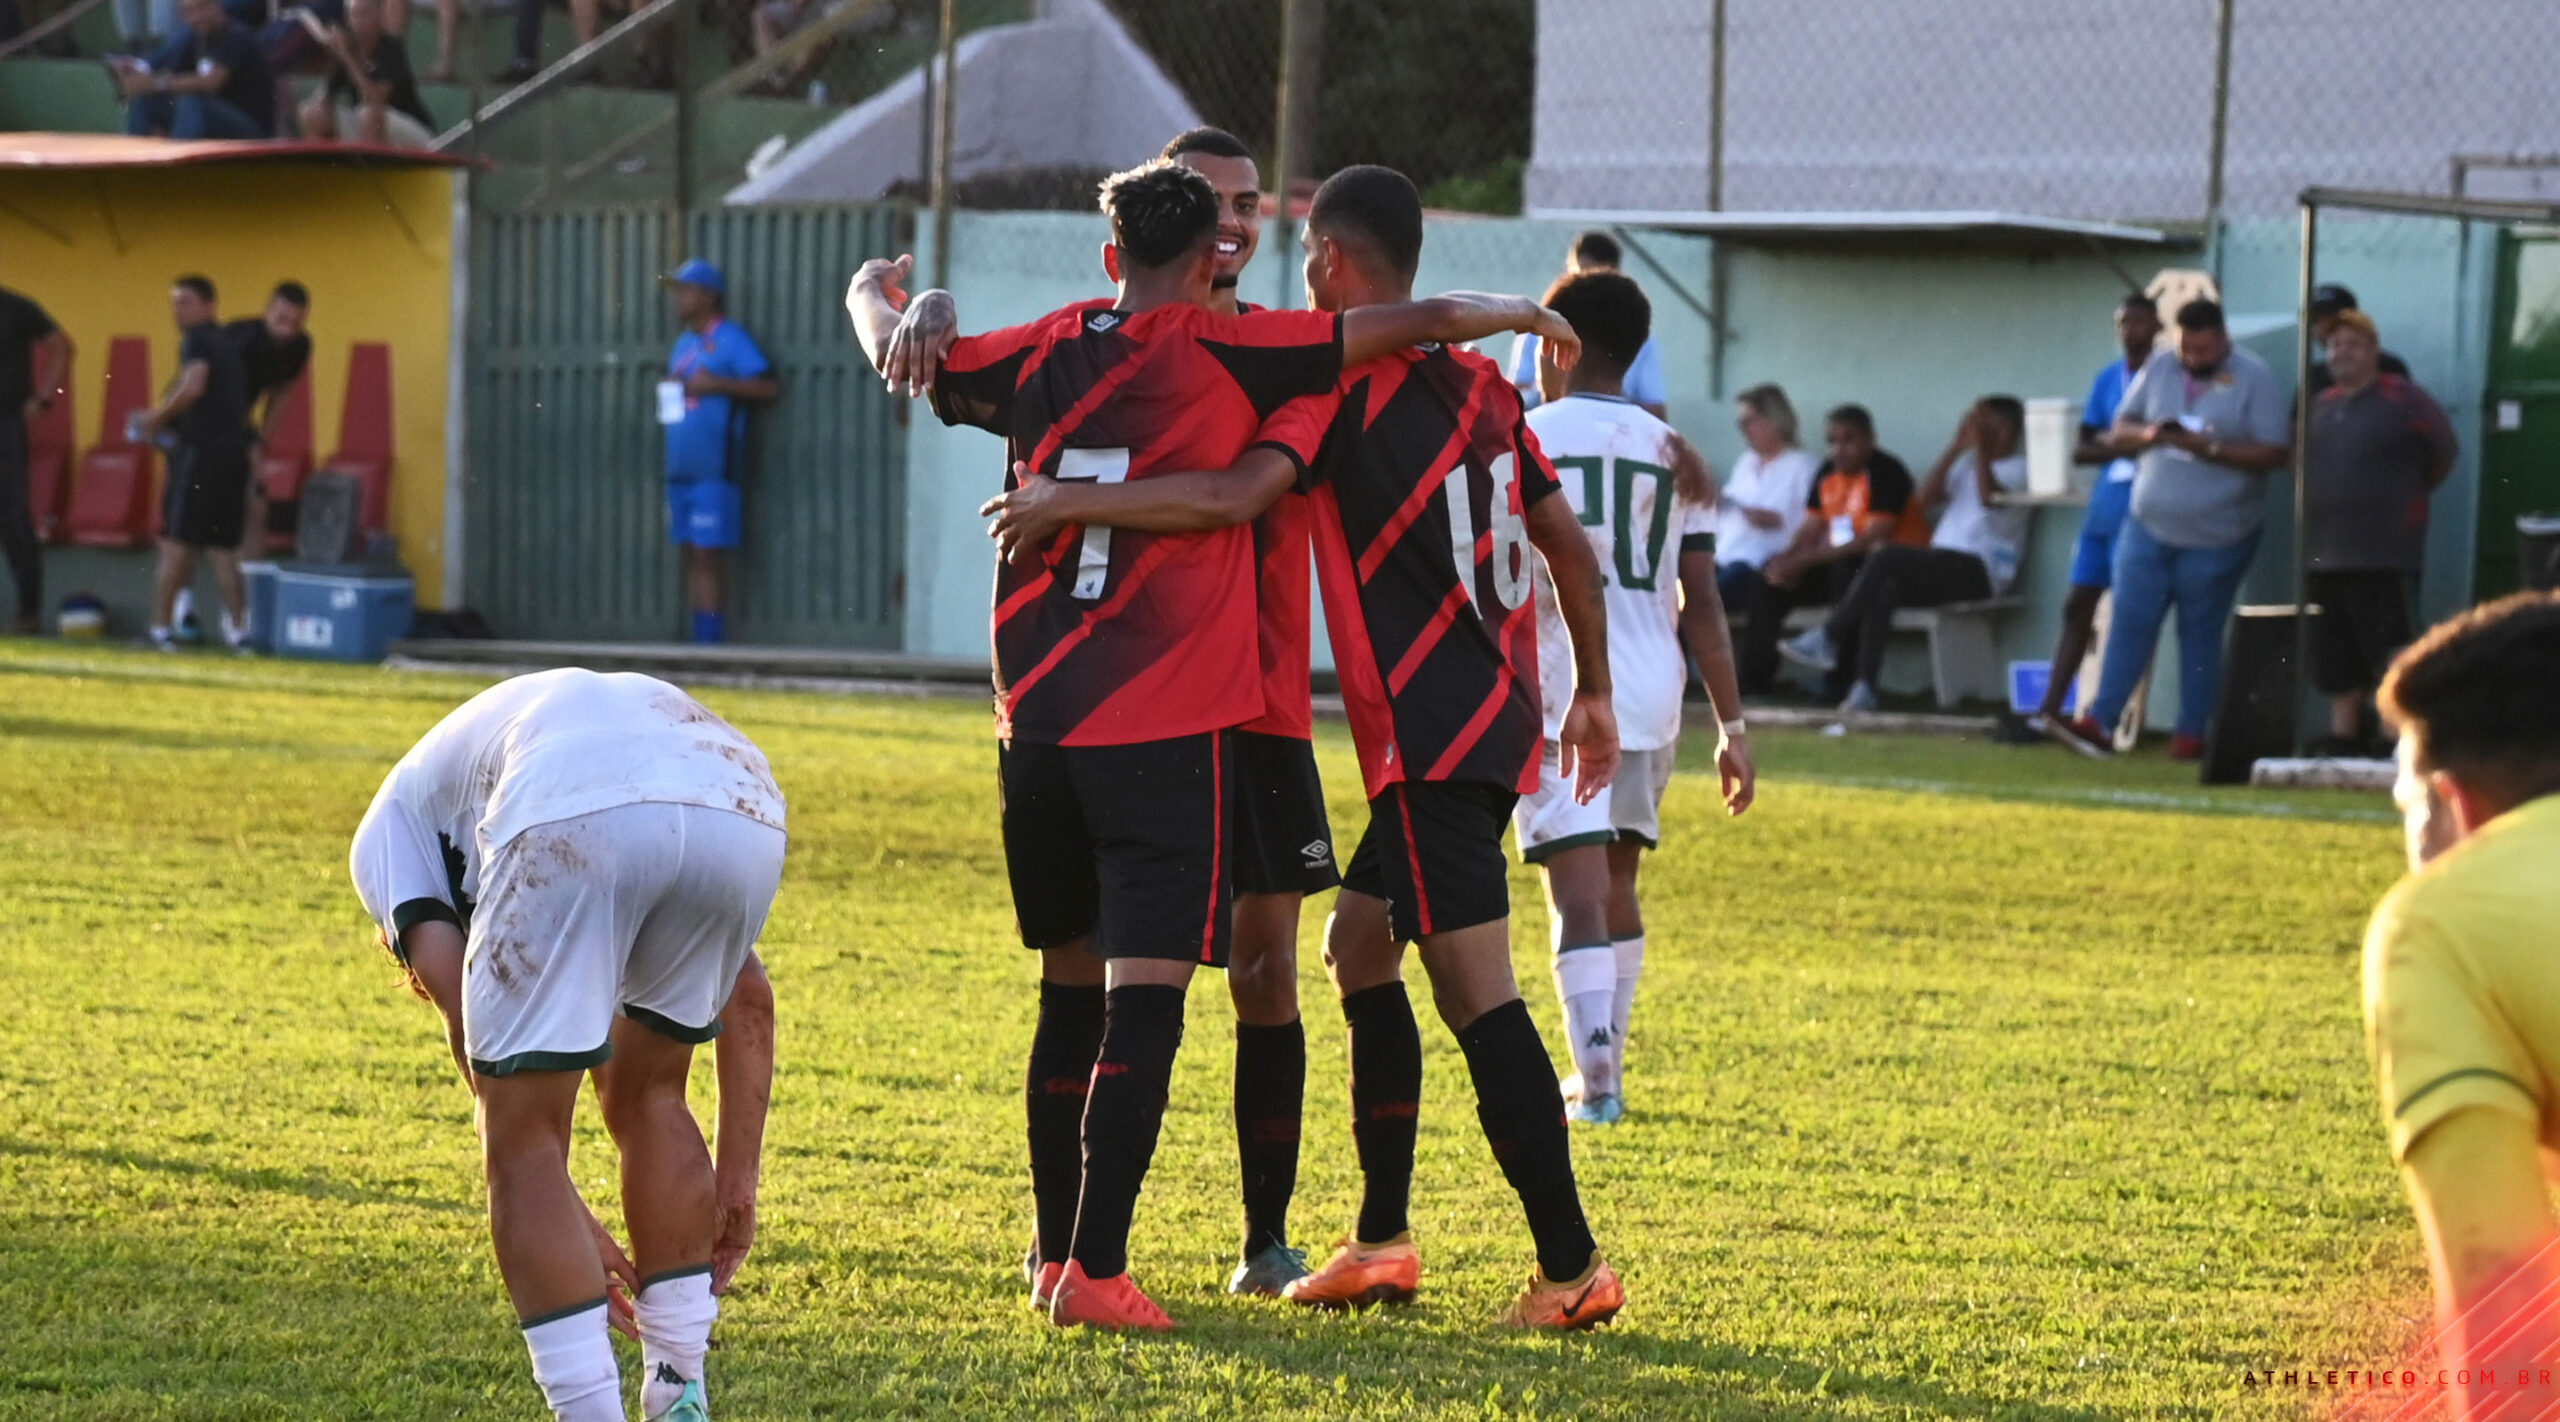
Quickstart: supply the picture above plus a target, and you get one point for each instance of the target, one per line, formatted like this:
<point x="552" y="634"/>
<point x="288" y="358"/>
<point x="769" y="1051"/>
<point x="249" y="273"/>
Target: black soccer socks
<point x="1523" y="1115"/>
<point x="1063" y="1048"/>
<point x="1386" y="1097"/>
<point x="1271" y="1092"/>
<point x="1123" y="1110"/>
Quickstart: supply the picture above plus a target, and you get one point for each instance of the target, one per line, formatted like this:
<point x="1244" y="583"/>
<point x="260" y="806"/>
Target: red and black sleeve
<point x="1277" y="356"/>
<point x="1537" y="474"/>
<point x="1299" y="430"/>
<point x="980" y="374"/>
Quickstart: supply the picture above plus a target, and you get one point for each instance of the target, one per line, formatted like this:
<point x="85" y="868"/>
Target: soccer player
<point x="1429" y="494"/>
<point x="1123" y="665"/>
<point x="573" y="868"/>
<point x="2462" y="1011"/>
<point x="1642" y="494"/>
<point x="1283" y="838"/>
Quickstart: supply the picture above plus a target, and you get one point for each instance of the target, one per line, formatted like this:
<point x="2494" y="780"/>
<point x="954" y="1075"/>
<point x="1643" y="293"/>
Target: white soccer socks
<point x="1586" y="982"/>
<point x="1630" y="956"/>
<point x="573" y="1361"/>
<point x="675" y="1316"/>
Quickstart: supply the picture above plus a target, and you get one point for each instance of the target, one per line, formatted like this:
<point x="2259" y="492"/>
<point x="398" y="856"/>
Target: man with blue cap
<point x="716" y="372"/>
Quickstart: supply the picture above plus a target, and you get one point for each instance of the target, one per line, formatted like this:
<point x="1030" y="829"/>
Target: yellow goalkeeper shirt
<point x="2462" y="981"/>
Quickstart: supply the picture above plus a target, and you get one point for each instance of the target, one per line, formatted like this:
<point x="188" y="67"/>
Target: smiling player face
<point x="1239" y="187"/>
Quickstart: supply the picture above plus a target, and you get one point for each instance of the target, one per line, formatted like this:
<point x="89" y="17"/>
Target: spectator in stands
<point x="273" y="349"/>
<point x="2329" y="302"/>
<point x="35" y="361"/>
<point x="2379" y="446"/>
<point x="716" y="373"/>
<point x="209" y="81"/>
<point x="1762" y="501"/>
<point x="2208" y="420"/>
<point x="143" y="24"/>
<point x="1860" y="501"/>
<point x="1972" y="555"/>
<point x="207" y="410"/>
<point x="586" y="20"/>
<point x="2093" y="559"/>
<point x="372" y="94"/>
<point x="1594" y="252"/>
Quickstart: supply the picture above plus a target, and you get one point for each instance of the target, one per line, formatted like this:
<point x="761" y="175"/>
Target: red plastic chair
<point x="49" y="441"/>
<point x="284" y="460"/>
<point x="111" y="501"/>
<point x="364" y="432"/>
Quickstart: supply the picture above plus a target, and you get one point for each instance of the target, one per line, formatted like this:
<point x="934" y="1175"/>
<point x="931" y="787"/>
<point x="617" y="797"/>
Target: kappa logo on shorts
<point x="1316" y="851"/>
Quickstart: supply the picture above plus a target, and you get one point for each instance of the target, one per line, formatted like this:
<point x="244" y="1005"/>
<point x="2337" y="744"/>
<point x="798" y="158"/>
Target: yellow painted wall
<point x="98" y="250"/>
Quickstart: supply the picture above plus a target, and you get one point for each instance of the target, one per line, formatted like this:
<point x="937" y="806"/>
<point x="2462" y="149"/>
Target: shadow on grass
<point x="275" y="1182"/>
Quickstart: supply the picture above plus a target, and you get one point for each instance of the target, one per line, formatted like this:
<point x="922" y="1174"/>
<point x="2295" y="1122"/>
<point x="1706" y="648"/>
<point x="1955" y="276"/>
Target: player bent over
<point x="2462" y="1010"/>
<point x="1124" y="665"/>
<point x="1645" y="499"/>
<point x="1428" y="494"/>
<point x="574" y="868"/>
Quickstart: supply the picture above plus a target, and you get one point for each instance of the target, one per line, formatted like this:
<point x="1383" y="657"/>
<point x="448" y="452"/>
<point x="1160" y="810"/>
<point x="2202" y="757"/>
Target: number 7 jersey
<point x="1421" y="471"/>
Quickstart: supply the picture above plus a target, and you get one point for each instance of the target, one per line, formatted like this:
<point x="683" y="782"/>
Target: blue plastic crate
<point x="259" y="580"/>
<point x="341" y="617"/>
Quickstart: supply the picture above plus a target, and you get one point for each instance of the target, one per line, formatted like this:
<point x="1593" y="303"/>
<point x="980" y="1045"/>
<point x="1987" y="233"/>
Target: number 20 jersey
<point x="1615" y="460"/>
<point x="1422" y="471"/>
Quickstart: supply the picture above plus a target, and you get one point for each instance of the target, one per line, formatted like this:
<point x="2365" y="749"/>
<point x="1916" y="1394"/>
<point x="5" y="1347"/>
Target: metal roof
<point x="2001" y="231"/>
<point x="74" y="152"/>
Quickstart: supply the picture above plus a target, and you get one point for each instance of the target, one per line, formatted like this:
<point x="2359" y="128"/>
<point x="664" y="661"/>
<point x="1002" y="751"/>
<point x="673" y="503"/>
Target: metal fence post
<point x="1293" y="136"/>
<point x="2214" y="177"/>
<point x="942" y="147"/>
<point x="1715" y="111"/>
<point x="2302" y="339"/>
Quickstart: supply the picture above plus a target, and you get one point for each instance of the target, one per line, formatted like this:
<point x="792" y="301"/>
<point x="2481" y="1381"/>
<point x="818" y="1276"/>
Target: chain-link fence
<point x="2058" y="107"/>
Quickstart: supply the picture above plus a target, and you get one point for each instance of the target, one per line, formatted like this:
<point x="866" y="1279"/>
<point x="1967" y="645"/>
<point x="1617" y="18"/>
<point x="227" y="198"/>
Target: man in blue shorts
<point x="715" y="374"/>
<point x="2093" y="560"/>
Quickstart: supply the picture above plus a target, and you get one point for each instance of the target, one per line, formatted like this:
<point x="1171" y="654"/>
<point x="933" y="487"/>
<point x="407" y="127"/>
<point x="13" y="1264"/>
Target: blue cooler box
<point x="345" y="616"/>
<point x="259" y="579"/>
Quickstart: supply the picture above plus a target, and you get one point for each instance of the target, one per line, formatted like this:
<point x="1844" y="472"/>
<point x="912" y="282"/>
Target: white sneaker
<point x="163" y="639"/>
<point x="1861" y="697"/>
<point x="1813" y="649"/>
<point x="235" y="635"/>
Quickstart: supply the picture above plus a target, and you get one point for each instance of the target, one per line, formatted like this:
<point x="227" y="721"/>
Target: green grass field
<point x="1967" y="1082"/>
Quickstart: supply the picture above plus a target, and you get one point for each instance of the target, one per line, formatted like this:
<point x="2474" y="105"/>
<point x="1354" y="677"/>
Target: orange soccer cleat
<point x="1113" y="1303"/>
<point x="1359" y="1275"/>
<point x="1586" y="1302"/>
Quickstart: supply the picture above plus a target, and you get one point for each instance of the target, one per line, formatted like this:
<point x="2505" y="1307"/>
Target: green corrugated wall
<point x="566" y="510"/>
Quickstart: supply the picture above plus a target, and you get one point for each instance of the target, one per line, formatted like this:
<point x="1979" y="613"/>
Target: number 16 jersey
<point x="1422" y="471"/>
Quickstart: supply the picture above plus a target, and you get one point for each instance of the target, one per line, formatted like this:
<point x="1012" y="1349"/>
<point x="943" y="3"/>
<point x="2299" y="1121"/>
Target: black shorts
<point x="2363" y="622"/>
<point x="1284" y="842"/>
<point x="207" y="502"/>
<point x="1128" y="844"/>
<point x="1433" y="851"/>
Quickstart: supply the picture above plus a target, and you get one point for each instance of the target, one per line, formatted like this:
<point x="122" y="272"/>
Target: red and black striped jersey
<point x="1281" y="563"/>
<point x="1421" y="472"/>
<point x="1122" y="636"/>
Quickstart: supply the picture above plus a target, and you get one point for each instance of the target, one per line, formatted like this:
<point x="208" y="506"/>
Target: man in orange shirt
<point x="1861" y="500"/>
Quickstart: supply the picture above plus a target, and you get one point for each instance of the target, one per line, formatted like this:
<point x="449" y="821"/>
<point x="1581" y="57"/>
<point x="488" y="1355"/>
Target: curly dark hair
<point x="1160" y="212"/>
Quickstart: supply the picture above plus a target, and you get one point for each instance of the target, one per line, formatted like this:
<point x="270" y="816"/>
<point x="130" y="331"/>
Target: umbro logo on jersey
<point x="1102" y="321"/>
<point x="1316" y="851"/>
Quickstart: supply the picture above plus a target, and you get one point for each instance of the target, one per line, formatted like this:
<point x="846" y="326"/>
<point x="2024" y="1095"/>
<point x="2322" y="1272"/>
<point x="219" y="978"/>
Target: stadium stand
<point x="111" y="503"/>
<point x="364" y="433"/>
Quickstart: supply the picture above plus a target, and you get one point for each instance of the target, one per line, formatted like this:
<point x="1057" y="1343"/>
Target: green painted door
<point x="2520" y="446"/>
<point x="566" y="510"/>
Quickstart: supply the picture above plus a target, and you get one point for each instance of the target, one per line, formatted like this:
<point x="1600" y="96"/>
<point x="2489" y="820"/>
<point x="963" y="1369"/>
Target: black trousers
<point x="1756" y="660"/>
<point x="18" y="516"/>
<point x="1897" y="576"/>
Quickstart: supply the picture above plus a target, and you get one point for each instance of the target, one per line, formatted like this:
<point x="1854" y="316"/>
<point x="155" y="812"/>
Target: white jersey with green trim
<point x="535" y="750"/>
<point x="1614" y="459"/>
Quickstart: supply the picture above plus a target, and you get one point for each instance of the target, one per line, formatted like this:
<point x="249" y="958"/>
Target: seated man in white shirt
<point x="1594" y="251"/>
<point x="1973" y="553"/>
<point x="573" y="868"/>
